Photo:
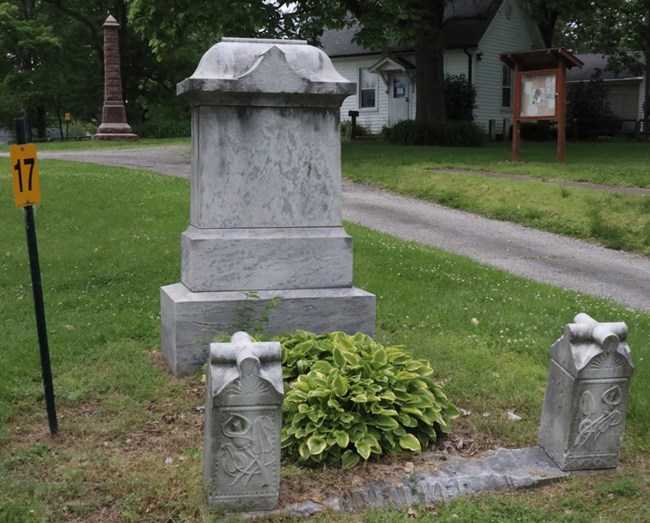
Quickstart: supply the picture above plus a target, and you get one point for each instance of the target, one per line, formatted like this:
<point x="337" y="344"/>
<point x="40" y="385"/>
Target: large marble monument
<point x="583" y="416"/>
<point x="114" y="125"/>
<point x="265" y="245"/>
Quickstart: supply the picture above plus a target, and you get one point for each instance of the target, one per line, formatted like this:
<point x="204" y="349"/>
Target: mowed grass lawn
<point x="618" y="221"/>
<point x="130" y="434"/>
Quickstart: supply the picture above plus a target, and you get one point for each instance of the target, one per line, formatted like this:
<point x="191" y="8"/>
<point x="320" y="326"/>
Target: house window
<point x="367" y="89"/>
<point x="506" y="87"/>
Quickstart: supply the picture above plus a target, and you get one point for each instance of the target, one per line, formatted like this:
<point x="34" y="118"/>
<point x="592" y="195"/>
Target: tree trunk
<point x="547" y="30"/>
<point x="41" y="122"/>
<point x="429" y="57"/>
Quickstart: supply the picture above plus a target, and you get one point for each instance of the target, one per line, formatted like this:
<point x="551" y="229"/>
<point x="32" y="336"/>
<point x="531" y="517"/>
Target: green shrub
<point x="346" y="129"/>
<point x="163" y="128"/>
<point x="79" y="129"/>
<point x="411" y="132"/>
<point x="170" y="120"/>
<point x="348" y="398"/>
<point x="460" y="97"/>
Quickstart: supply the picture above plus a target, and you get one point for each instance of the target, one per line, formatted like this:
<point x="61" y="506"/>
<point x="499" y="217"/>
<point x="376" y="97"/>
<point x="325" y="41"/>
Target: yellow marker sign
<point x="68" y="117"/>
<point x="24" y="170"/>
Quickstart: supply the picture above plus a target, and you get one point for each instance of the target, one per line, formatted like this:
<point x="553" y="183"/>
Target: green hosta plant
<point x="348" y="398"/>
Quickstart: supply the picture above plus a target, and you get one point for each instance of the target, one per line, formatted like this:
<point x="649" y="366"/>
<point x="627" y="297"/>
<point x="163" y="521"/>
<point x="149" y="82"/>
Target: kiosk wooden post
<point x="540" y="91"/>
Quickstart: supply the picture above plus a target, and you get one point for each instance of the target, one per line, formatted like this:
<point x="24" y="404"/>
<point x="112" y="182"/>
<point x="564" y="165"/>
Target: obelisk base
<point x="114" y="125"/>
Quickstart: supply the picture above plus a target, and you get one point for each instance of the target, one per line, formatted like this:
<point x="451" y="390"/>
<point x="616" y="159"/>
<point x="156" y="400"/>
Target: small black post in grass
<point x="68" y="117"/>
<point x="353" y="132"/>
<point x="27" y="194"/>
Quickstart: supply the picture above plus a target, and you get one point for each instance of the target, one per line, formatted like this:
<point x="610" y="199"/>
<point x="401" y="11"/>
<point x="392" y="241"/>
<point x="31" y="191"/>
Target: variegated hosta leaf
<point x="348" y="398"/>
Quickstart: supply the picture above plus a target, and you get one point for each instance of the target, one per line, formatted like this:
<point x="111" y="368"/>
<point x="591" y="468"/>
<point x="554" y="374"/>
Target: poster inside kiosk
<point x="24" y="171"/>
<point x="538" y="92"/>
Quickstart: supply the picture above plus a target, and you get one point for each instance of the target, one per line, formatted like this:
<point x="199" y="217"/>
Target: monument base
<point x="191" y="320"/>
<point x="116" y="136"/>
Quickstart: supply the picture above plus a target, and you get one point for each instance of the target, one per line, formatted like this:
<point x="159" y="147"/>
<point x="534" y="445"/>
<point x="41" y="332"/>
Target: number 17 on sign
<point x="24" y="167"/>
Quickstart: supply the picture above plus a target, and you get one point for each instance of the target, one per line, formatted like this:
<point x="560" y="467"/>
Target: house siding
<point x="372" y="119"/>
<point x="642" y="99"/>
<point x="623" y="98"/>
<point x="502" y="35"/>
<point x="455" y="63"/>
<point x="377" y="118"/>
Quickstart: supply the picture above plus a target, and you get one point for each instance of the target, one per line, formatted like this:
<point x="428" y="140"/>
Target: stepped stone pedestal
<point x="265" y="248"/>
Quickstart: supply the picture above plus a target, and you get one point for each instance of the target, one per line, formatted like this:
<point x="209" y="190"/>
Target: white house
<point x="475" y="33"/>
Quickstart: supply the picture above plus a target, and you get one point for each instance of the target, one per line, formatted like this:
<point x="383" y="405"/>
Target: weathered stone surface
<point x="583" y="416"/>
<point x="239" y="70"/>
<point x="266" y="259"/>
<point x="506" y="469"/>
<point x="265" y="167"/>
<point x="191" y="320"/>
<point x="114" y="125"/>
<point x="241" y="453"/>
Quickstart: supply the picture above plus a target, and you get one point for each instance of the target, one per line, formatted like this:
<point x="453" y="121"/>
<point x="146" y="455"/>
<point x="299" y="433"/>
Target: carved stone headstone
<point x="114" y="125"/>
<point x="583" y="416"/>
<point x="265" y="246"/>
<point x="243" y="418"/>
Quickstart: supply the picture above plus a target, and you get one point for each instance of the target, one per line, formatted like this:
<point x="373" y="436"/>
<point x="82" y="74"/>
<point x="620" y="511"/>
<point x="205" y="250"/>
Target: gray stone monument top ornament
<point x="594" y="349"/>
<point x="244" y="66"/>
<point x="243" y="419"/>
<point x="583" y="416"/>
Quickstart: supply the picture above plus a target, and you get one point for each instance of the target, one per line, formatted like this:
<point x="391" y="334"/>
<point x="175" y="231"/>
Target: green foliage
<point x="166" y="23"/>
<point x="423" y="172"/>
<point x="609" y="234"/>
<point x="413" y="132"/>
<point x="255" y="312"/>
<point x="162" y="126"/>
<point x="78" y="129"/>
<point x="460" y="98"/>
<point x="346" y="129"/>
<point x="349" y="398"/>
<point x="588" y="109"/>
<point x="104" y="254"/>
<point x="588" y="100"/>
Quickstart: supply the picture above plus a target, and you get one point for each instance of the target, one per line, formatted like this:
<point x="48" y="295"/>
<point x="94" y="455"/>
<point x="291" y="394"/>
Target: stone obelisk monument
<point x="114" y="125"/>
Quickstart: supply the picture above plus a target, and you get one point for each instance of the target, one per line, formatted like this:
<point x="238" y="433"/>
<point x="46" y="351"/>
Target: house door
<point x="398" y="98"/>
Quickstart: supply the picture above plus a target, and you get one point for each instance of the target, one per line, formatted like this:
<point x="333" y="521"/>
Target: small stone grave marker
<point x="583" y="416"/>
<point x="243" y="418"/>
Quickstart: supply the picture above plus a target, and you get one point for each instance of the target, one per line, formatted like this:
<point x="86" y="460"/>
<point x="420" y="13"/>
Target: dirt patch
<point x="299" y="484"/>
<point x="146" y="461"/>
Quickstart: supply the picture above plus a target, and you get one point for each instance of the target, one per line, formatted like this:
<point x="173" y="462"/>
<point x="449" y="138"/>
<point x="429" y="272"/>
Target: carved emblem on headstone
<point x="243" y="421"/>
<point x="583" y="417"/>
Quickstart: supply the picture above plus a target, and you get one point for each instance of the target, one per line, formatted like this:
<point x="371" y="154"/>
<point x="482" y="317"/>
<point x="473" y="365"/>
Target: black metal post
<point x="353" y="131"/>
<point x="39" y="304"/>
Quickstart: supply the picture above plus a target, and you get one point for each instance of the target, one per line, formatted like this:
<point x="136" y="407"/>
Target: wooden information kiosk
<point x="540" y="91"/>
